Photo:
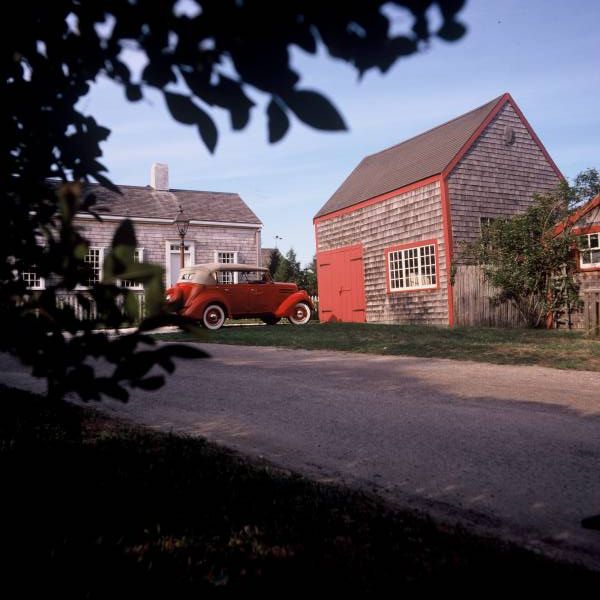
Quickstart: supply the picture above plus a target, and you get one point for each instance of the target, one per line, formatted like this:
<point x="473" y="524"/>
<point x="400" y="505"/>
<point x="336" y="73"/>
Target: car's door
<point x="235" y="293"/>
<point x="261" y="298"/>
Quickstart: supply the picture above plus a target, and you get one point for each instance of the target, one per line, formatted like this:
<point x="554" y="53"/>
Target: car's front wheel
<point x="213" y="317"/>
<point x="300" y="314"/>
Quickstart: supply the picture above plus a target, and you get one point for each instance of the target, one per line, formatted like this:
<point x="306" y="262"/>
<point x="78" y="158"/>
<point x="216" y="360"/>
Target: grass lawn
<point x="548" y="348"/>
<point x="94" y="508"/>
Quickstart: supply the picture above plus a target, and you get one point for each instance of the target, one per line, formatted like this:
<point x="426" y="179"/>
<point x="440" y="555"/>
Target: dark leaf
<point x="185" y="351"/>
<point x="151" y="383"/>
<point x="278" y="121"/>
<point x="125" y="235"/>
<point x="133" y="92"/>
<point x="107" y="183"/>
<point x="315" y="110"/>
<point x="451" y="31"/>
<point x="185" y="111"/>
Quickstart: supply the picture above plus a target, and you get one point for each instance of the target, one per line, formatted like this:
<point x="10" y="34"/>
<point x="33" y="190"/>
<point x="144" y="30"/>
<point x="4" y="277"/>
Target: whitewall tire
<point x="213" y="317"/>
<point x="300" y="314"/>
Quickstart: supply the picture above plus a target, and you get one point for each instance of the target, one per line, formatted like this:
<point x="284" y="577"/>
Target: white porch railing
<point x="83" y="313"/>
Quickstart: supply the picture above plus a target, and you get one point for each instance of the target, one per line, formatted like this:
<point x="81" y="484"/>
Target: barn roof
<point x="146" y="202"/>
<point x="415" y="159"/>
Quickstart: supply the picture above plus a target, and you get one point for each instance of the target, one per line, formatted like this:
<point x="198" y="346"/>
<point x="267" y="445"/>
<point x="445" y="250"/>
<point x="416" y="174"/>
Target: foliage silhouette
<point x="201" y="57"/>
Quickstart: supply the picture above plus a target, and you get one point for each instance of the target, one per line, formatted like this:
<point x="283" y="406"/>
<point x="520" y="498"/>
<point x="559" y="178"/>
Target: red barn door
<point x="341" y="285"/>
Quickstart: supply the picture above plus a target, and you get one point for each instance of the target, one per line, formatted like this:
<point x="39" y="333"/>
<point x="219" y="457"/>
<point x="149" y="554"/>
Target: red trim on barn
<point x="583" y="210"/>
<point x="536" y="139"/>
<point x="406" y="246"/>
<point x="449" y="245"/>
<point x="585" y="230"/>
<point x="503" y="100"/>
<point x="376" y="199"/>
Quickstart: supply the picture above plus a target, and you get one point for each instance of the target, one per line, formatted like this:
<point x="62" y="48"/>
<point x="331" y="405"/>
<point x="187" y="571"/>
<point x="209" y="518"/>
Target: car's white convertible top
<point x="205" y="273"/>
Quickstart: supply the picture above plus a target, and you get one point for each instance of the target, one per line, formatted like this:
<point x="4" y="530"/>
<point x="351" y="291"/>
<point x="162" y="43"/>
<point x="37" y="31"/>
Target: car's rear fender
<point x="285" y="308"/>
<point x="194" y="308"/>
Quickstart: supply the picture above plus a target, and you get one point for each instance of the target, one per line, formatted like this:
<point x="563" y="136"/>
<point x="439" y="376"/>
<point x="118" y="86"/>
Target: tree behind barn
<point x="530" y="264"/>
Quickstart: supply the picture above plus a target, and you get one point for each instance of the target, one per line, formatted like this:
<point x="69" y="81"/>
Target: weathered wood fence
<point x="474" y="304"/>
<point x="591" y="311"/>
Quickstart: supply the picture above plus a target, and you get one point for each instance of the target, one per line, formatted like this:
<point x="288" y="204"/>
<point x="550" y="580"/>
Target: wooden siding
<point x="152" y="237"/>
<point x="474" y="304"/>
<point x="494" y="179"/>
<point x="412" y="216"/>
<point x="591" y="311"/>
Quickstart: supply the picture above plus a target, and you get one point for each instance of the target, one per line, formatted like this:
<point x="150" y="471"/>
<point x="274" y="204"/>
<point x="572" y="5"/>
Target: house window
<point x="412" y="268"/>
<point x="94" y="258"/>
<point x="226" y="258"/>
<point x="32" y="280"/>
<point x="589" y="250"/>
<point x="131" y="284"/>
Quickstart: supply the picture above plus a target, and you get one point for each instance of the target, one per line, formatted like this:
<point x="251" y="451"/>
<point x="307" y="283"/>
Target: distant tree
<point x="288" y="268"/>
<point x="309" y="278"/>
<point x="586" y="186"/>
<point x="525" y="259"/>
<point x="274" y="261"/>
<point x="202" y="57"/>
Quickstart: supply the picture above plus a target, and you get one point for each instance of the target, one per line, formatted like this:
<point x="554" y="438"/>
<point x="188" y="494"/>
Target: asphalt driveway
<point x="509" y="450"/>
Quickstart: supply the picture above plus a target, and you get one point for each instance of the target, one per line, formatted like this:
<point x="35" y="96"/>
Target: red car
<point x="213" y="292"/>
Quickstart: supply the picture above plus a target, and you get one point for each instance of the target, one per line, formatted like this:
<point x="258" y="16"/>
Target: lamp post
<point x="182" y="225"/>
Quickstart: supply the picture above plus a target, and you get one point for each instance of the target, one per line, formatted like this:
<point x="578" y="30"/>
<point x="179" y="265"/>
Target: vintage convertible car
<point x="213" y="292"/>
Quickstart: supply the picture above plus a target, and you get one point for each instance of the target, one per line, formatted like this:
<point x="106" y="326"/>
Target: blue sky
<point x="546" y="53"/>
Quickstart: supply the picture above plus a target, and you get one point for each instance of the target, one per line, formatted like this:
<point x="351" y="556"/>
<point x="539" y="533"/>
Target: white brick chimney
<point x="159" y="177"/>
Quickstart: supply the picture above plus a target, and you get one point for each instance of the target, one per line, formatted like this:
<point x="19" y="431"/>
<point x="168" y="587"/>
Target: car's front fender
<point x="286" y="307"/>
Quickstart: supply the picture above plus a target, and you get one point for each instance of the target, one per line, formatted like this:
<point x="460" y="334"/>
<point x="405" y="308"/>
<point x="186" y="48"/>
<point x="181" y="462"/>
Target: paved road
<point x="513" y="451"/>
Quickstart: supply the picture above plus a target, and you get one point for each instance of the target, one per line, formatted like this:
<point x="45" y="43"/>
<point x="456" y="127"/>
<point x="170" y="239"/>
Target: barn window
<point x="589" y="250"/>
<point x="411" y="268"/>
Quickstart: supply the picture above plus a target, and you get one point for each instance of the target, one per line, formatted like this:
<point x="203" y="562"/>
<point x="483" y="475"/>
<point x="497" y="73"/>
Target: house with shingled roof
<point x="222" y="227"/>
<point x="388" y="238"/>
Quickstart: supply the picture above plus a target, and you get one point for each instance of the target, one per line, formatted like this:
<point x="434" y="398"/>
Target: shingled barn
<point x="387" y="239"/>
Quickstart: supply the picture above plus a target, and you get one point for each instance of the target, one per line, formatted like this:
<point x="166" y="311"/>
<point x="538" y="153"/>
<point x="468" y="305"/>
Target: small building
<point x="585" y="228"/>
<point x="222" y="227"/>
<point x="387" y="239"/>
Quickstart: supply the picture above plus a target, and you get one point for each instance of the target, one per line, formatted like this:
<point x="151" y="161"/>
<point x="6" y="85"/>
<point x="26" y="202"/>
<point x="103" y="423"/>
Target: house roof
<point x="146" y="202"/>
<point x="415" y="159"/>
<point x="578" y="214"/>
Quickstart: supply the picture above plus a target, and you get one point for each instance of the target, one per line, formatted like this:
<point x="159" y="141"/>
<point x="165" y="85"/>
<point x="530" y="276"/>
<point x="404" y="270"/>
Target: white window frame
<point x="588" y="249"/>
<point x="168" y="252"/>
<point x="138" y="257"/>
<point x="100" y="266"/>
<point x="402" y="263"/>
<point x="41" y="285"/>
<point x="226" y="277"/>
